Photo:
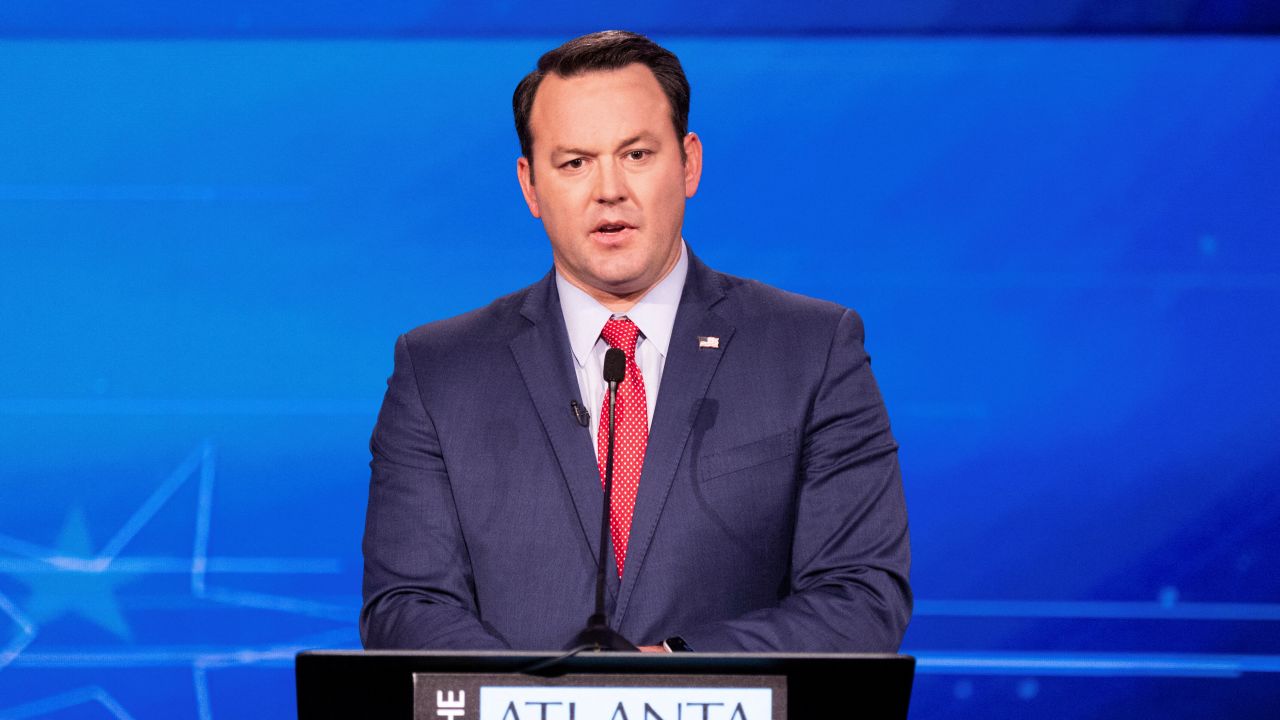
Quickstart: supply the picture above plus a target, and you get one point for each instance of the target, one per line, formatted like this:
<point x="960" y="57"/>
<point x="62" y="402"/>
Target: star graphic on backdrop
<point x="76" y="583"/>
<point x="75" y="578"/>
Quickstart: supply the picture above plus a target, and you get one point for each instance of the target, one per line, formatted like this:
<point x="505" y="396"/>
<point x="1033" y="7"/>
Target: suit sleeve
<point x="418" y="588"/>
<point x="851" y="556"/>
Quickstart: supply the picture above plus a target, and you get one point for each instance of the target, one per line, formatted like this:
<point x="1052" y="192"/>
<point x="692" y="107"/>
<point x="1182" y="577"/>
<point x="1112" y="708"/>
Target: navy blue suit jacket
<point x="770" y="513"/>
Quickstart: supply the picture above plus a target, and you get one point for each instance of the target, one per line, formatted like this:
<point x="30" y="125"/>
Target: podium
<point x="601" y="686"/>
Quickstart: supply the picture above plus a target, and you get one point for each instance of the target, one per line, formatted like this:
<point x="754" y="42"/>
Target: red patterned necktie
<point x="632" y="423"/>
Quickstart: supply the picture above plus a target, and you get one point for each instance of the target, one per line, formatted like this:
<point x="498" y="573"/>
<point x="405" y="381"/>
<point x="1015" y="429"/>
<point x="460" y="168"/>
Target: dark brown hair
<point x="605" y="50"/>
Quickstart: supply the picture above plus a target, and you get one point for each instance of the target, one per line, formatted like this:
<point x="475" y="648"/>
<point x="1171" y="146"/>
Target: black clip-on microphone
<point x="597" y="635"/>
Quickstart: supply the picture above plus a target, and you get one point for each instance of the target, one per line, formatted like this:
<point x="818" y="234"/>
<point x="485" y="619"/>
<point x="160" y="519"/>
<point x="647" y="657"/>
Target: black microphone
<point x="598" y="635"/>
<point x="581" y="414"/>
<point x="615" y="367"/>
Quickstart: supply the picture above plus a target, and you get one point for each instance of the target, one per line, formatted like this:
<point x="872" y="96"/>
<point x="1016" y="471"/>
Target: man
<point x="757" y="503"/>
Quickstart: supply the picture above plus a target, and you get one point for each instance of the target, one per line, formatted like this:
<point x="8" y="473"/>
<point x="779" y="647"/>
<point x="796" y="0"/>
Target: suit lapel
<point x="686" y="375"/>
<point x="542" y="353"/>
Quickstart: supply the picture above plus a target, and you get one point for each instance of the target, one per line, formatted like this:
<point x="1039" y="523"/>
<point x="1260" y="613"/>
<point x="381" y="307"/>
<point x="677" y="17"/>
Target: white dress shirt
<point x="654" y="315"/>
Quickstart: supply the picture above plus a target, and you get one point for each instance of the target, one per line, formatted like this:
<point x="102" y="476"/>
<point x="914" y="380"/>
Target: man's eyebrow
<point x="571" y="151"/>
<point x="646" y="136"/>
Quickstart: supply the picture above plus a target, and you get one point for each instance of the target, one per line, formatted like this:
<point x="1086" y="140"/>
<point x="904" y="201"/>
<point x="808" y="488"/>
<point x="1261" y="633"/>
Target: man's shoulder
<point x="753" y="302"/>
<point x="491" y="325"/>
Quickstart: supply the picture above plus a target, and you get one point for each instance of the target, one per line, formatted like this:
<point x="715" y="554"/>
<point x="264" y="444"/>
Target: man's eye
<point x="574" y="164"/>
<point x="638" y="154"/>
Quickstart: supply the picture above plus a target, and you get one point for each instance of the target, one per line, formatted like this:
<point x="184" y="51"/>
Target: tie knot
<point x="622" y="334"/>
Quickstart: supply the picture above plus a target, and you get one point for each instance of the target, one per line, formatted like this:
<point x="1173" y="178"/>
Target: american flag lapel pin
<point x="706" y="342"/>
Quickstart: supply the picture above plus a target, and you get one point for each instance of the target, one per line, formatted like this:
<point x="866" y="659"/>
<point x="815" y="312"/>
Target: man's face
<point x="608" y="181"/>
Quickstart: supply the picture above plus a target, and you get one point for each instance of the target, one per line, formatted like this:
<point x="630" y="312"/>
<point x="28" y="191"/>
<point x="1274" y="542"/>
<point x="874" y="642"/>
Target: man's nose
<point x="611" y="183"/>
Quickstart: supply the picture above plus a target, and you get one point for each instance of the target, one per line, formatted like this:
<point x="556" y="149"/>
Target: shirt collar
<point x="654" y="314"/>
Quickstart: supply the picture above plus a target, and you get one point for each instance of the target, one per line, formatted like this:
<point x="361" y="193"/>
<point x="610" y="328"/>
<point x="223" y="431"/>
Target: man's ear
<point x="692" y="164"/>
<point x="525" y="174"/>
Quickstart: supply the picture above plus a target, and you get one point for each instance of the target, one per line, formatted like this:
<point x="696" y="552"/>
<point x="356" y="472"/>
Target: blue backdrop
<point x="1065" y="250"/>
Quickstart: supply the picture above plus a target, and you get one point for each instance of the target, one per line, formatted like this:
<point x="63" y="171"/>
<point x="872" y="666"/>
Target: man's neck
<point x="620" y="303"/>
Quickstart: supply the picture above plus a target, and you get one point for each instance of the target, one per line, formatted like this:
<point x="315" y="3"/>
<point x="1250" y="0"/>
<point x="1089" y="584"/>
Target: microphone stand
<point x="597" y="635"/>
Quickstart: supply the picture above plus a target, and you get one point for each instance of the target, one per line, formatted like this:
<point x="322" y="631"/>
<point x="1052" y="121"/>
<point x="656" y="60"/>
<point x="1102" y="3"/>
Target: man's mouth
<point x="611" y="228"/>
